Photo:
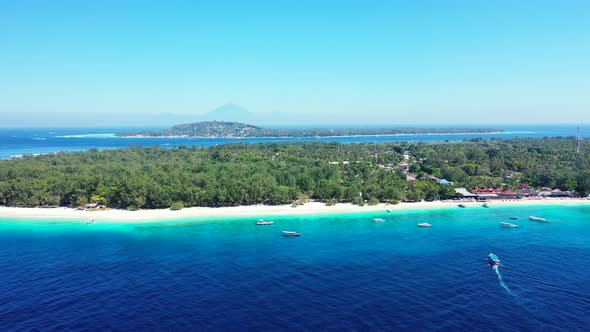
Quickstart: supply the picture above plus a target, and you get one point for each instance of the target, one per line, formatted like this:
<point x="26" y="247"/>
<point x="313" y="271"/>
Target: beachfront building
<point x="560" y="193"/>
<point x="485" y="191"/>
<point x="462" y="192"/>
<point x="485" y="197"/>
<point x="527" y="192"/>
<point x="508" y="194"/>
<point x="545" y="193"/>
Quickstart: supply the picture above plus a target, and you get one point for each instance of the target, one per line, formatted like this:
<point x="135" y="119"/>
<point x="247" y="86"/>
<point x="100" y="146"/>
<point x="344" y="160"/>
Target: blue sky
<point x="122" y="62"/>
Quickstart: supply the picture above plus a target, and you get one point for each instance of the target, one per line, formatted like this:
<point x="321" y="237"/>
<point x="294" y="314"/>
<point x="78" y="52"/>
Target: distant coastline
<point x="227" y="129"/>
<point x="254" y="211"/>
<point x="114" y="135"/>
<point x="20" y="143"/>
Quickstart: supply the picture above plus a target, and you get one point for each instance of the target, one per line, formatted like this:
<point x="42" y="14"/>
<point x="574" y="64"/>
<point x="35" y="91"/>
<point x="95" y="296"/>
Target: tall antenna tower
<point x="578" y="140"/>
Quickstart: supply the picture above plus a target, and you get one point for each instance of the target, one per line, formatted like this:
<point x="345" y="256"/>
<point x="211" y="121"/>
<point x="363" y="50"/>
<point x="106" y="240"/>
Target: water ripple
<point x="343" y="274"/>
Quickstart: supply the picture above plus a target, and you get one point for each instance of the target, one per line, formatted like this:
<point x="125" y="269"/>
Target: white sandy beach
<point x="255" y="211"/>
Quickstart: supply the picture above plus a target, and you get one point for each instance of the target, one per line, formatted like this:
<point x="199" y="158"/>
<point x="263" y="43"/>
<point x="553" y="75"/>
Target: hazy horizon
<point x="339" y="63"/>
<point x="507" y="127"/>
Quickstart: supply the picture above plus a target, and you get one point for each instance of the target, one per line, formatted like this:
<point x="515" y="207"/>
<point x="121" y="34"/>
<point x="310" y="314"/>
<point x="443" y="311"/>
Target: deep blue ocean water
<point x="17" y="142"/>
<point x="345" y="273"/>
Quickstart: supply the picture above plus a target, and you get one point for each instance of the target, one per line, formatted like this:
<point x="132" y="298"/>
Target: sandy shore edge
<point x="255" y="211"/>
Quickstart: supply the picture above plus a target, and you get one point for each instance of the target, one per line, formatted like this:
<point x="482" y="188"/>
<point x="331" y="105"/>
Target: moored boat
<point x="508" y="225"/>
<point x="90" y="221"/>
<point x="264" y="222"/>
<point x="513" y="218"/>
<point x="290" y="233"/>
<point x="462" y="205"/>
<point x="424" y="224"/>
<point x="378" y="219"/>
<point x="485" y="205"/>
<point x="537" y="219"/>
<point x="493" y="259"/>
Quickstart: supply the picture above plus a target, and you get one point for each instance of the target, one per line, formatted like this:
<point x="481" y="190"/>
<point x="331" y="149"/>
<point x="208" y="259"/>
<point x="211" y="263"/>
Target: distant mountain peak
<point x="232" y="106"/>
<point x="229" y="112"/>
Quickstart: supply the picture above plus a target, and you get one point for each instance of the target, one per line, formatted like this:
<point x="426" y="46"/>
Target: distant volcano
<point x="229" y="112"/>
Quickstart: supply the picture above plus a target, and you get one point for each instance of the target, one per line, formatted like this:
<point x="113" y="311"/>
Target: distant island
<point x="214" y="129"/>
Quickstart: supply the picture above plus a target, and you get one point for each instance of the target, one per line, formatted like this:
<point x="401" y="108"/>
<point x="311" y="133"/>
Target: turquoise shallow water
<point x="345" y="273"/>
<point x="17" y="142"/>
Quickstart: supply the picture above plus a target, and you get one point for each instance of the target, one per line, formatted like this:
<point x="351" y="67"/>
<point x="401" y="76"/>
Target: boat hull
<point x="537" y="219"/>
<point x="493" y="260"/>
<point x="264" y="222"/>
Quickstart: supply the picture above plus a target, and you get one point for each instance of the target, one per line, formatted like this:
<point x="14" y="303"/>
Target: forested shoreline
<point x="283" y="173"/>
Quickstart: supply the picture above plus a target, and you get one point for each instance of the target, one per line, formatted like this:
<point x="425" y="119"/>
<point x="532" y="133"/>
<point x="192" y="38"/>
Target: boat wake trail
<point x="497" y="270"/>
<point x="523" y="303"/>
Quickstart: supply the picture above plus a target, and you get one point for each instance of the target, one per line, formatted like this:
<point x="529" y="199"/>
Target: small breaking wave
<point x="111" y="135"/>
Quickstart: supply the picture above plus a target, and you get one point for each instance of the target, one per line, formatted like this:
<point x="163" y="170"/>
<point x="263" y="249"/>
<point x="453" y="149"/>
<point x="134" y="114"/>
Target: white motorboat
<point x="537" y="219"/>
<point x="264" y="222"/>
<point x="493" y="260"/>
<point x="508" y="225"/>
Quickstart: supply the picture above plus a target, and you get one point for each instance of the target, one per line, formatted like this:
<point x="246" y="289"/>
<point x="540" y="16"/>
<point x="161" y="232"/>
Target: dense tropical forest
<point x="279" y="173"/>
<point x="236" y="129"/>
